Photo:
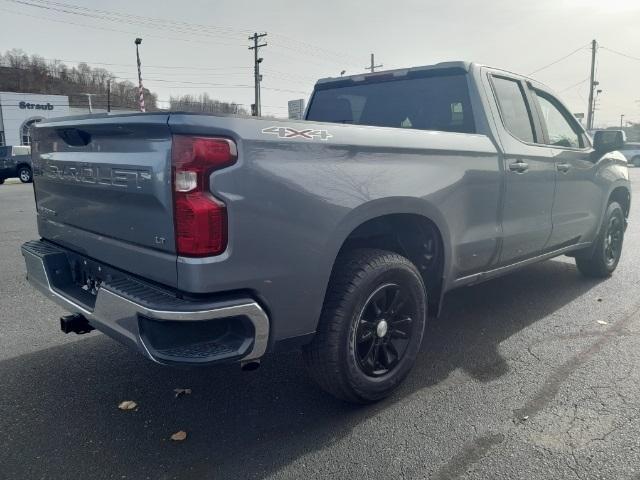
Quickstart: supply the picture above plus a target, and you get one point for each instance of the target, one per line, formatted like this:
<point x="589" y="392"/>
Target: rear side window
<point x="428" y="103"/>
<point x="4" y="151"/>
<point x="513" y="108"/>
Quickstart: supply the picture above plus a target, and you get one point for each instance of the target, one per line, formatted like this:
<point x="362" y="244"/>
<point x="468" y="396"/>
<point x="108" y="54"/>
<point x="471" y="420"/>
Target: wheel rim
<point x="613" y="241"/>
<point x="24" y="175"/>
<point x="384" y="329"/>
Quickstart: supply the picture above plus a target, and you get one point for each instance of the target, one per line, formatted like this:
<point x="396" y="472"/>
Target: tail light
<point x="200" y="219"/>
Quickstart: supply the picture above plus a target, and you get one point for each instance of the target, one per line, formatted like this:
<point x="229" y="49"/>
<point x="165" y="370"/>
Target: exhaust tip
<point x="250" y="366"/>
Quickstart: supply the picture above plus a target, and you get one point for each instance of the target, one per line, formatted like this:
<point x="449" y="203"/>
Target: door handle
<point x="519" y="166"/>
<point x="563" y="167"/>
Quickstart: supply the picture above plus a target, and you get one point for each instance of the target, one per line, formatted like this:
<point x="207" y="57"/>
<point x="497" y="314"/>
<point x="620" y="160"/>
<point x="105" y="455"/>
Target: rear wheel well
<point x="622" y="196"/>
<point x="412" y="236"/>
<point x="20" y="165"/>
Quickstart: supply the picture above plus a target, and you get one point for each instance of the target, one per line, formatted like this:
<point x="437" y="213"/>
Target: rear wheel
<point x="24" y="174"/>
<point x="371" y="326"/>
<point x="603" y="258"/>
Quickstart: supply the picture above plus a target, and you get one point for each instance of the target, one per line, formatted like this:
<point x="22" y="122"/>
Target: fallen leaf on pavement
<point x="182" y="391"/>
<point x="127" y="405"/>
<point x="602" y="322"/>
<point x="179" y="436"/>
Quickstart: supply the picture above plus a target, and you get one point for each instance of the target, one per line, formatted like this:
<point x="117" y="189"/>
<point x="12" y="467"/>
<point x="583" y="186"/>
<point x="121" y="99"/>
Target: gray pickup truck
<point x="199" y="239"/>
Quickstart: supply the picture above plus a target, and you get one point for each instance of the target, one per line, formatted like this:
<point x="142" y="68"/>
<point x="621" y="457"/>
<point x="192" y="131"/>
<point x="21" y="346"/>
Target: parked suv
<point x="15" y="162"/>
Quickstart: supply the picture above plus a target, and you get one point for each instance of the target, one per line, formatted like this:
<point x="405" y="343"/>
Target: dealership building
<point x="18" y="111"/>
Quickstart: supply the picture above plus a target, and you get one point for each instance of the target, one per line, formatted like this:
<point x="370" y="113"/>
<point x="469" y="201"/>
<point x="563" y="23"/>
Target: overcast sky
<point x="315" y="39"/>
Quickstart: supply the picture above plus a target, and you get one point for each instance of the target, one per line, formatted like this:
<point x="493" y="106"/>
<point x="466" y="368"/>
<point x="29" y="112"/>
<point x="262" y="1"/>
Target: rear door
<point x="529" y="172"/>
<point x="103" y="189"/>
<point x="578" y="198"/>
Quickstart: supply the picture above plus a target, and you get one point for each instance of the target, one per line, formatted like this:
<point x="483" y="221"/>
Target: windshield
<point x="428" y="103"/>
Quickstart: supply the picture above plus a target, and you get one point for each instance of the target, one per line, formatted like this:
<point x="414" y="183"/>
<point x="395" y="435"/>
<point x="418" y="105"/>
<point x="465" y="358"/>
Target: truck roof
<point x="461" y="66"/>
<point x="458" y="66"/>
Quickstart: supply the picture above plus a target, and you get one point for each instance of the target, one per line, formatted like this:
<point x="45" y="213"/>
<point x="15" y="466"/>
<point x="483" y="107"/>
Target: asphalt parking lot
<point x="535" y="376"/>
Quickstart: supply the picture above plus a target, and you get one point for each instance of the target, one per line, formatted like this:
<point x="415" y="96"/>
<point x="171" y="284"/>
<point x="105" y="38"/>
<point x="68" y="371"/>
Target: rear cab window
<point x="437" y="101"/>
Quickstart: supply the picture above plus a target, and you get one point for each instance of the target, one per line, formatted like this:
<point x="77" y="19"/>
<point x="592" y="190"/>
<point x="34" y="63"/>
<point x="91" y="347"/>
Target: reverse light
<point x="200" y="218"/>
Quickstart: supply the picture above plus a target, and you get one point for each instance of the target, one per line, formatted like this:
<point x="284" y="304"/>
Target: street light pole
<point x="141" y="90"/>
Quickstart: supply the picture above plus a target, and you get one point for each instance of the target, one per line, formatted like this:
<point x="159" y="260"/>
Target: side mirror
<point x="605" y="141"/>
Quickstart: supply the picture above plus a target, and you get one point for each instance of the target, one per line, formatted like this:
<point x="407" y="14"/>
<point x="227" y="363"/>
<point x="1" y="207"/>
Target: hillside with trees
<point x="205" y="104"/>
<point x="20" y="72"/>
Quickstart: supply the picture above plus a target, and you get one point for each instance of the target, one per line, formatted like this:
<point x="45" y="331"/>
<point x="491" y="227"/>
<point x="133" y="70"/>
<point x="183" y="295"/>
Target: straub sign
<point x="35" y="106"/>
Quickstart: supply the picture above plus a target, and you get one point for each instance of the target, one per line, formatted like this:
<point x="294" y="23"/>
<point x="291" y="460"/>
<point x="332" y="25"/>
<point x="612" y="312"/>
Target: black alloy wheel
<point x="384" y="329"/>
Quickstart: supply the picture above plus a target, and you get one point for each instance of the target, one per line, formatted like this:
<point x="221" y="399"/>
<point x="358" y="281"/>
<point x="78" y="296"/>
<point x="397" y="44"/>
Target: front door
<point x="578" y="199"/>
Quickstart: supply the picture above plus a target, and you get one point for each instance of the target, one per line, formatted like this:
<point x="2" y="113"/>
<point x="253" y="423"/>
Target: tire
<point x="1" y="181"/>
<point x="603" y="258"/>
<point x="25" y="175"/>
<point x="374" y="297"/>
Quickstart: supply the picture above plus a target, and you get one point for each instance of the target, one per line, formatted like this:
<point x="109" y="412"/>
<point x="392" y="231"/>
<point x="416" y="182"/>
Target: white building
<point x="18" y="111"/>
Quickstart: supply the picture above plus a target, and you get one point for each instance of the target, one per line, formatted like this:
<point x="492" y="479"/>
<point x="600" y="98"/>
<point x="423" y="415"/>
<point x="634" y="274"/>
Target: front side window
<point x="560" y="132"/>
<point x="513" y="108"/>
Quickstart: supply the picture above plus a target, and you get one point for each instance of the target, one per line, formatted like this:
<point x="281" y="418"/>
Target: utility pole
<point x="373" y="66"/>
<point x="621" y="117"/>
<point x="592" y="85"/>
<point x="257" y="110"/>
<point x="141" y="90"/>
<point x="108" y="95"/>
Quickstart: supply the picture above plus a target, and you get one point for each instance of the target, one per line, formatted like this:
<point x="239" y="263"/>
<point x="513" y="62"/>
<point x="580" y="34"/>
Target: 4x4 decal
<point x="288" y="132"/>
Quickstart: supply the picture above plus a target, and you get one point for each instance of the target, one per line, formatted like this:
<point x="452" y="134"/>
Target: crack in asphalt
<point x="479" y="448"/>
<point x="470" y="454"/>
<point x="552" y="384"/>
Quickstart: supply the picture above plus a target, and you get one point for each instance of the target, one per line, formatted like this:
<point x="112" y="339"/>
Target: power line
<point x="128" y="32"/>
<point x="574" y="85"/>
<point x="631" y="57"/>
<point x="180" y="27"/>
<point x="557" y="61"/>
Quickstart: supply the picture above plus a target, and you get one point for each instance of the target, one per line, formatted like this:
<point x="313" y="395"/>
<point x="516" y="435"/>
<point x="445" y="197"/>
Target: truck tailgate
<point x="103" y="188"/>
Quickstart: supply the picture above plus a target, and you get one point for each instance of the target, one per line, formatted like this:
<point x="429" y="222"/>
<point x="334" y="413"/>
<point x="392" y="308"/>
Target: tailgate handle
<point x="74" y="137"/>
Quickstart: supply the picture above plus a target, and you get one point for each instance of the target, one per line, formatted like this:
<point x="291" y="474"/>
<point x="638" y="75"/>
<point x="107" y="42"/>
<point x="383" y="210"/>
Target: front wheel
<point x="24" y="174"/>
<point x="604" y="257"/>
<point x="371" y="326"/>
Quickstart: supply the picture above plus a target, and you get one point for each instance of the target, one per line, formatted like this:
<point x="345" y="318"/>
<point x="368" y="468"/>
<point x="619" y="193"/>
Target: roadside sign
<point x="296" y="109"/>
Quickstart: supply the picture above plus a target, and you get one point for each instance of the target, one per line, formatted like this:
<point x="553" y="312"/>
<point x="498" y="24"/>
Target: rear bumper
<point x="161" y="325"/>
